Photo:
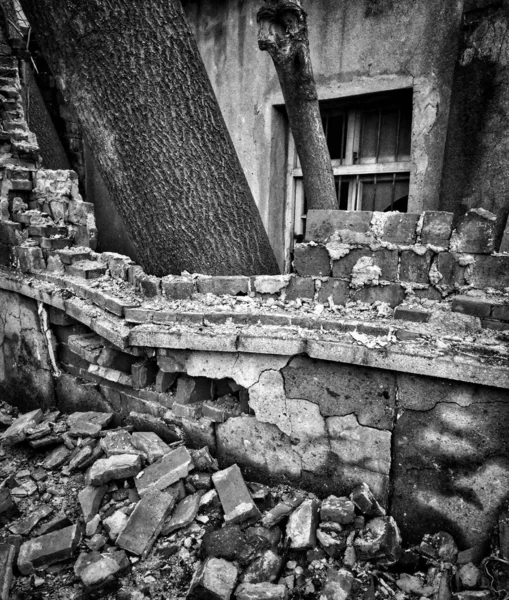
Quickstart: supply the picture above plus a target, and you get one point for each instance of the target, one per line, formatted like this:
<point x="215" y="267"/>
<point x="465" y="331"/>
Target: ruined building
<point x="380" y="354"/>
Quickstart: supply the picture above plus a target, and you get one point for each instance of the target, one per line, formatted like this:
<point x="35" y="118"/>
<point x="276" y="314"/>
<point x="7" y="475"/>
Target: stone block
<point x="232" y="286"/>
<point x="168" y="470"/>
<point x="351" y="226"/>
<point x="337" y="288"/>
<point x="17" y="432"/>
<point x="342" y="389"/>
<point x="121" y="466"/>
<point x="436" y="228"/>
<point x="238" y="506"/>
<point x="178" y="288"/>
<point x="300" y="287"/>
<point x="490" y="271"/>
<point x="475" y="232"/>
<point x="392" y="294"/>
<point x="86" y="269"/>
<point x="415" y="267"/>
<point x="150" y="444"/>
<point x="470" y="305"/>
<point x="448" y="265"/>
<point x="261" y="591"/>
<point x="416" y="315"/>
<point x="311" y="261"/>
<point x="302" y="524"/>
<point x="7" y="555"/>
<point x="146" y="522"/>
<point x="214" y="579"/>
<point x="40" y="552"/>
<point x="30" y="258"/>
<point x="399" y="228"/>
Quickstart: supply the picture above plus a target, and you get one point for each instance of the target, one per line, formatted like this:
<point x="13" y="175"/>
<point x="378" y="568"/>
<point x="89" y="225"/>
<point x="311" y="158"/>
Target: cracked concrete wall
<point x="26" y="378"/>
<point x="410" y="43"/>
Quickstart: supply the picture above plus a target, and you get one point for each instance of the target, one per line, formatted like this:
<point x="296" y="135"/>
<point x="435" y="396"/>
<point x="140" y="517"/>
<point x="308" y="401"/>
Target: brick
<point x="351" y="225"/>
<point x="453" y="274"/>
<point x="86" y="269"/>
<point x="72" y="255"/>
<point x="16" y="432"/>
<point x="184" y="514"/>
<point x="302" y="524"/>
<point x="48" y="549"/>
<point x="262" y="591"/>
<point x="10" y="233"/>
<point x="7" y="555"/>
<point x="337" y="288"/>
<point x="223" y="408"/>
<point x="436" y="228"/>
<point x="150" y="444"/>
<point x="417" y="315"/>
<point x="143" y="374"/>
<point x="219" y="286"/>
<point x="490" y="271"/>
<point x="54" y="243"/>
<point x="149" y="285"/>
<point x="59" y="317"/>
<point x="392" y="294"/>
<point x="199" y="433"/>
<point x="399" y="228"/>
<point x="30" y="258"/>
<point x="145" y="422"/>
<point x="311" y="261"/>
<point x="120" y="466"/>
<point x="146" y="522"/>
<point x="191" y="410"/>
<point x="178" y="288"/>
<point x="415" y="267"/>
<point x="343" y="267"/>
<point x="469" y="305"/>
<point x="215" y="578"/>
<point x="88" y="346"/>
<point x="87" y="423"/>
<point x="112" y="358"/>
<point x="501" y="312"/>
<point x="90" y="499"/>
<point x="193" y="389"/>
<point x="168" y="470"/>
<point x="113" y="304"/>
<point x="238" y="506"/>
<point x="270" y="284"/>
<point x="300" y="287"/>
<point x="475" y="232"/>
<point x="58" y="522"/>
<point x="494" y="325"/>
<point x="56" y="458"/>
<point x="25" y="526"/>
<point x="139" y="315"/>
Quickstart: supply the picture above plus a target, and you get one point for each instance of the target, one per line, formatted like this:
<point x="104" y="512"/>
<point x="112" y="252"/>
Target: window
<point x="369" y="143"/>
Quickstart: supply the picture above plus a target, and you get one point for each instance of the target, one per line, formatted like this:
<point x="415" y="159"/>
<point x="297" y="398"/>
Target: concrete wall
<point x="357" y="47"/>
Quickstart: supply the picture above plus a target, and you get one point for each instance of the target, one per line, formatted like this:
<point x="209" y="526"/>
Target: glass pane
<point x="405" y="133"/>
<point x="378" y="196"/>
<point x="335" y="136"/>
<point x="388" y="136"/>
<point x="369" y="137"/>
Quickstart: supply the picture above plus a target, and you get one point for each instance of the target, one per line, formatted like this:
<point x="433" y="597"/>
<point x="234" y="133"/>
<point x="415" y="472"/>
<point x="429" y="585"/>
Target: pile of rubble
<point x="118" y="513"/>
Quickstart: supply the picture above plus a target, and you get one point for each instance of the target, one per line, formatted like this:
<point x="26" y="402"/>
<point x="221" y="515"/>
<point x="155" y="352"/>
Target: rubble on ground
<point x="93" y="511"/>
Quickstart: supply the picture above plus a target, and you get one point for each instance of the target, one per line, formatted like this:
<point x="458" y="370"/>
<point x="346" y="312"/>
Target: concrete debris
<point x="16" y="433"/>
<point x="146" y="531"/>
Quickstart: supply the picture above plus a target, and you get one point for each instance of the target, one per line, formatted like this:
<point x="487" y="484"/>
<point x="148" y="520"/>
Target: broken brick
<point x="164" y="381"/>
<point x="120" y="466"/>
<point x="261" y="591"/>
<point x="302" y="524"/>
<point x="184" y="514"/>
<point x="363" y="498"/>
<point x="86" y="269"/>
<point x="146" y="522"/>
<point x="379" y="540"/>
<point x="215" y="578"/>
<point x="265" y="568"/>
<point x="99" y="573"/>
<point x="45" y="550"/>
<point x="25" y="526"/>
<point x="193" y="389"/>
<point x="90" y="499"/>
<point x="168" y="470"/>
<point x="150" y="444"/>
<point x="338" y="510"/>
<point x="118" y="442"/>
<point x="56" y="458"/>
<point x="143" y="374"/>
<point x="235" y="498"/>
<point x="16" y="433"/>
<point x="87" y="423"/>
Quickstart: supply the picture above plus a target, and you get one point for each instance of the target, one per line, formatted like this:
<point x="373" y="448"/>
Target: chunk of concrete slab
<point x="45" y="550"/>
<point x="146" y="522"/>
<point x="168" y="470"/>
<point x="120" y="466"/>
<point x="234" y="495"/>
